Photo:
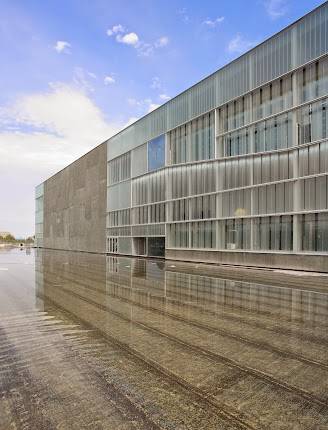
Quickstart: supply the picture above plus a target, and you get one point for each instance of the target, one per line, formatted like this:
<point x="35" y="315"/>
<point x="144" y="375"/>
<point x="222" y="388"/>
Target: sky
<point x="75" y="72"/>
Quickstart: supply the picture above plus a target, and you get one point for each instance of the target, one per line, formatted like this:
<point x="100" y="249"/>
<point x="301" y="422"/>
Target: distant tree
<point x="9" y="238"/>
<point x="29" y="240"/>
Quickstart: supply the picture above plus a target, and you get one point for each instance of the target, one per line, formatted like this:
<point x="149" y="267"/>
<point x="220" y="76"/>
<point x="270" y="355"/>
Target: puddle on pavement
<point x="95" y="342"/>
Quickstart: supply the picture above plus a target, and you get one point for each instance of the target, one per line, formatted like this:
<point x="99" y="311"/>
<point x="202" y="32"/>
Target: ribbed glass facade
<point x="237" y="162"/>
<point x="241" y="160"/>
<point x="39" y="192"/>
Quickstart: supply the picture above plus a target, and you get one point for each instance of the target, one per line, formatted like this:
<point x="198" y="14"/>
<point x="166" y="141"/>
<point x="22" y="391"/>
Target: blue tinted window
<point x="156" y="153"/>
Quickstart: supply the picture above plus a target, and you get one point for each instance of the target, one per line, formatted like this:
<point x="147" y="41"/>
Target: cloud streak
<point x="276" y="8"/>
<point x="146" y="105"/>
<point x="115" y="29"/>
<point x="213" y="23"/>
<point x="238" y="44"/>
<point x="62" y="47"/>
<point x="109" y="80"/>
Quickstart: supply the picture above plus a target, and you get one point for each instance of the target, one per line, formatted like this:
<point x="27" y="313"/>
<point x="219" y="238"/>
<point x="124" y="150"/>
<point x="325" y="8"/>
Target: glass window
<point x="236" y="143"/>
<point x="193" y="141"/>
<point x="203" y="234"/>
<point x="309" y="234"/>
<point x="314" y="193"/>
<point x="156" y="153"/>
<point x="313" y="120"/>
<point x="286" y="236"/>
<point x="273" y="233"/>
<point x="178" y="235"/>
<point x="273" y="134"/>
<point x="259" y="137"/>
<point x="322" y="232"/>
<point x="119" y="169"/>
<point x="203" y="207"/>
<point x="323" y="159"/>
<point x="237" y="234"/>
<point x="313" y="80"/>
<point x="272" y="98"/>
<point x="117" y="218"/>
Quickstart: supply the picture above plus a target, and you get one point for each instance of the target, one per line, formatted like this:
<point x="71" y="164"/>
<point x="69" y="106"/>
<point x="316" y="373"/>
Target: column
<point x="297" y="234"/>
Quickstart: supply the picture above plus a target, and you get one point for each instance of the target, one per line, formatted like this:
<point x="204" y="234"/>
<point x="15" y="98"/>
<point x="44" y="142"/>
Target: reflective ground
<point x="95" y="342"/>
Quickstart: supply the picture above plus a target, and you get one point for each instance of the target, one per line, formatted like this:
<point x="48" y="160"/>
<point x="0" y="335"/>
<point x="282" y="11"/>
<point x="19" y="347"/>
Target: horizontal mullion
<point x="272" y="116"/>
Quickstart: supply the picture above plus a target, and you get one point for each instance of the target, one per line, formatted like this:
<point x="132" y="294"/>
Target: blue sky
<point x="75" y="72"/>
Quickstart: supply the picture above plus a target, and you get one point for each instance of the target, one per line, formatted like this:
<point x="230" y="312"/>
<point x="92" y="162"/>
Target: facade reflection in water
<point x="197" y="349"/>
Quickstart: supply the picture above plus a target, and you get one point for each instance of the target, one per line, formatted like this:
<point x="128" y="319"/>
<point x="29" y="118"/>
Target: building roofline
<point x="70" y="164"/>
<point x="221" y="68"/>
<point x="194" y="85"/>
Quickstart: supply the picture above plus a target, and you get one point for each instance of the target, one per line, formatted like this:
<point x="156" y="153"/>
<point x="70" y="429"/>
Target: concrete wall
<point x="75" y="205"/>
<point x="318" y="263"/>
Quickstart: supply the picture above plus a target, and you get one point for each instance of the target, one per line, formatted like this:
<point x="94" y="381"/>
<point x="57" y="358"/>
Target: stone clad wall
<point x="75" y="205"/>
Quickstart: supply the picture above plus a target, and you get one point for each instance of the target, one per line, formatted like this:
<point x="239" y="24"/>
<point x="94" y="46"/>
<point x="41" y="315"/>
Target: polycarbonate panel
<point x="39" y="214"/>
<point x="312" y="35"/>
<point x="148" y="230"/>
<point x="233" y="80"/>
<point x="119" y="196"/>
<point x="39" y="190"/>
<point x="139" y="161"/>
<point x="272" y="58"/>
<point x="39" y="217"/>
<point x="273" y="233"/>
<point x="119" y="169"/>
<point x="125" y="245"/>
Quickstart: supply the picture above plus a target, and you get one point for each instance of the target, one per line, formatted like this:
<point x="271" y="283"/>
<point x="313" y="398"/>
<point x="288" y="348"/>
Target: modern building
<point x="233" y="170"/>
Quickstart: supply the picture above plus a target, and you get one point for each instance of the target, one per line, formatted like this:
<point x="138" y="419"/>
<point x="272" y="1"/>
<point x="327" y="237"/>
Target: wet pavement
<point x="95" y="342"/>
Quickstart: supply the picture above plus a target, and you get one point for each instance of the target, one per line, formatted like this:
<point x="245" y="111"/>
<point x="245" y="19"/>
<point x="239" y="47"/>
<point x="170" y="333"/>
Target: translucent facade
<point x="39" y="191"/>
<point x="238" y="162"/>
<point x="234" y="169"/>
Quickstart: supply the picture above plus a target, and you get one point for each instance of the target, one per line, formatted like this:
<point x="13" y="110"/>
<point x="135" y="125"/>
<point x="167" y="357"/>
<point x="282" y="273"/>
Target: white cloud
<point x="128" y="38"/>
<point x="161" y="42"/>
<point x="156" y="83"/>
<point x="115" y="29"/>
<point x="145" y="49"/>
<point x="213" y="23"/>
<point x="122" y="36"/>
<point x="62" y="46"/>
<point x="40" y="134"/>
<point x="108" y="80"/>
<point x="164" y="97"/>
<point x="64" y="111"/>
<point x="238" y="44"/>
<point x="276" y="8"/>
